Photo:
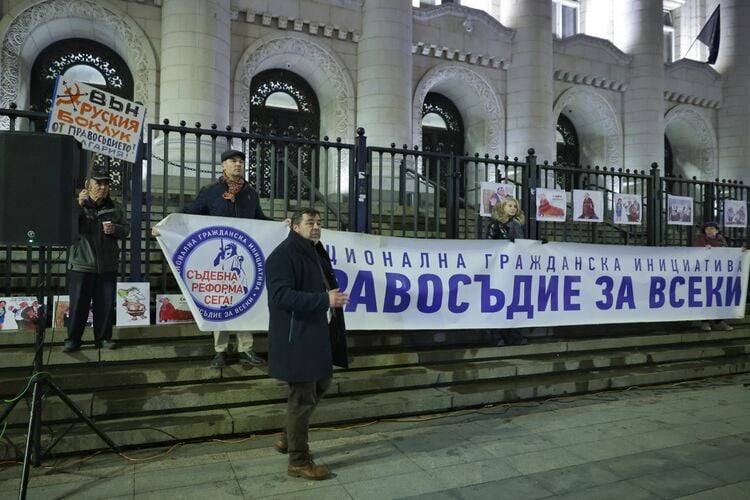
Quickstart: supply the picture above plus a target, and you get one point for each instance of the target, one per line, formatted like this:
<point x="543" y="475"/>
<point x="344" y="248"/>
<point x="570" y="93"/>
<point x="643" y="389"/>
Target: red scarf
<point x="233" y="187"/>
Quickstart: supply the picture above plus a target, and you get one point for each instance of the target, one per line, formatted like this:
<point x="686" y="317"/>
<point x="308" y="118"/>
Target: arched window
<point x="282" y="103"/>
<point x="81" y="60"/>
<point x="567" y="142"/>
<point x="567" y="152"/>
<point x="668" y="159"/>
<point x="85" y="61"/>
<point x="442" y="131"/>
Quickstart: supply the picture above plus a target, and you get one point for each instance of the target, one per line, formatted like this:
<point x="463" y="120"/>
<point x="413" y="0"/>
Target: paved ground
<point x="689" y="441"/>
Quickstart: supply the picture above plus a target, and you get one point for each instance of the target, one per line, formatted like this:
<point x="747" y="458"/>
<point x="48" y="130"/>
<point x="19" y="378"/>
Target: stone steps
<point x="339" y="409"/>
<point x="158" y="387"/>
<point x="147" y="388"/>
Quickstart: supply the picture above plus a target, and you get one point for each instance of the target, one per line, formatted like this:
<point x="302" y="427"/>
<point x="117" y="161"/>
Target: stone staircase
<point x="157" y="387"/>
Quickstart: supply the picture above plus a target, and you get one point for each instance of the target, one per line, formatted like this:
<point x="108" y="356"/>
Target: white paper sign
<point x="100" y="121"/>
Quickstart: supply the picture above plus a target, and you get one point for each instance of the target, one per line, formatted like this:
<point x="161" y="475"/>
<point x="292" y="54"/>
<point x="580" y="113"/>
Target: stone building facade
<point x="583" y="81"/>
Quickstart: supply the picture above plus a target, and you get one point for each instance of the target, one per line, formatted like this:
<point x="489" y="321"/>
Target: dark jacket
<point x="505" y="230"/>
<point x="702" y="240"/>
<point x="93" y="251"/>
<point x="302" y="345"/>
<point x="211" y="201"/>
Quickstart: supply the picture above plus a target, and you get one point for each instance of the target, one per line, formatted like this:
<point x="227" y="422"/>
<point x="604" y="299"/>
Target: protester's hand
<point x="744" y="248"/>
<point x="155" y="232"/>
<point x="337" y="299"/>
<point x="708" y="246"/>
<point x="83" y="196"/>
<point x="108" y="228"/>
<point x="288" y="222"/>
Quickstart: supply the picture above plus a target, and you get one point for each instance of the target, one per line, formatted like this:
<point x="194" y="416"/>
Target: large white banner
<point x="413" y="284"/>
<point x="100" y="121"/>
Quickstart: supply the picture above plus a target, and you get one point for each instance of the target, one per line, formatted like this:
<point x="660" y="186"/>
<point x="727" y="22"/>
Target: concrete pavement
<point x="687" y="441"/>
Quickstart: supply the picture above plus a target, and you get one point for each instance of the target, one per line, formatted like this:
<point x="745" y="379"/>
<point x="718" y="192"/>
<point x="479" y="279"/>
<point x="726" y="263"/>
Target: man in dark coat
<point x="94" y="256"/>
<point x="306" y="332"/>
<point x="230" y="196"/>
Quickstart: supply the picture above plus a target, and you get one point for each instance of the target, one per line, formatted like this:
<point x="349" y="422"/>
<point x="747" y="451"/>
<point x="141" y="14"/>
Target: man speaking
<point x="306" y="332"/>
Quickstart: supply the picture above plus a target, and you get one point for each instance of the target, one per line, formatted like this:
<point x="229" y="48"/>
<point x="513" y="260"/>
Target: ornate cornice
<point x="314" y="28"/>
<point x="446" y="53"/>
<point x="682" y="98"/>
<point x="472" y="17"/>
<point x="590" y="80"/>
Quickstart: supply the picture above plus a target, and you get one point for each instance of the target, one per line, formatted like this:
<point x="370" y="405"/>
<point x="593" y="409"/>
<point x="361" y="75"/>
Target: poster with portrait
<point x="627" y="209"/>
<point x="679" y="210"/>
<point x="551" y="205"/>
<point x="132" y="304"/>
<point x="588" y="205"/>
<point x="494" y="193"/>
<point x="18" y="313"/>
<point x="61" y="312"/>
<point x="172" y="308"/>
<point x="735" y="213"/>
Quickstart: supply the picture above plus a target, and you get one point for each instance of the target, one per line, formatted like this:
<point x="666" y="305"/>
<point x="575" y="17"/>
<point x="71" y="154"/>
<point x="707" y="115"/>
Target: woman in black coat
<point x="507" y="224"/>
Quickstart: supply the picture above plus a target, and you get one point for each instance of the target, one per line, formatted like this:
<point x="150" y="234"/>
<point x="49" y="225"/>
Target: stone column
<point x="195" y="52"/>
<point x="734" y="66"/>
<point x="639" y="32"/>
<point x="195" y="78"/>
<point x="384" y="72"/>
<point x="530" y="122"/>
<point x="384" y="83"/>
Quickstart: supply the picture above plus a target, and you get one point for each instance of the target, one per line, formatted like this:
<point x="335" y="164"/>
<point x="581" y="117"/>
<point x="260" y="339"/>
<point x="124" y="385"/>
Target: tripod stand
<point x="42" y="385"/>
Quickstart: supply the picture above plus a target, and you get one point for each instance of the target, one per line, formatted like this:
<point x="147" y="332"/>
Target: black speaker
<point x="38" y="178"/>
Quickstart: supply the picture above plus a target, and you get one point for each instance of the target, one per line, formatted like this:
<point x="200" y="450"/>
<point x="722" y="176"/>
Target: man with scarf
<point x="230" y="196"/>
<point x="92" y="265"/>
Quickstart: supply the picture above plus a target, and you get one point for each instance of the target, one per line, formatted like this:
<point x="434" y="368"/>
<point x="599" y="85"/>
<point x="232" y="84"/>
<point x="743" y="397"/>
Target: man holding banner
<point x="230" y="196"/>
<point x="306" y="332"/>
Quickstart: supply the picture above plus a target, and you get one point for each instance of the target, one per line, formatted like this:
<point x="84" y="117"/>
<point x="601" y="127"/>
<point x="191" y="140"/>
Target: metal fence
<point x="382" y="190"/>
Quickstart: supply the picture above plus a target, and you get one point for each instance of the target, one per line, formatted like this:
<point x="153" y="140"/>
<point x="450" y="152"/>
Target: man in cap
<point x="230" y="196"/>
<point x="92" y="266"/>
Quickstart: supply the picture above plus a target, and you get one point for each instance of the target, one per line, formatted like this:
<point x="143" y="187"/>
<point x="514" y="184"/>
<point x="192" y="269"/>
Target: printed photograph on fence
<point x="172" y="308"/>
<point x="18" y="313"/>
<point x="131" y="304"/>
<point x="627" y="209"/>
<point x="679" y="210"/>
<point x="492" y="194"/>
<point x="550" y="204"/>
<point x="588" y="205"/>
<point x="735" y="213"/>
<point x="61" y="312"/>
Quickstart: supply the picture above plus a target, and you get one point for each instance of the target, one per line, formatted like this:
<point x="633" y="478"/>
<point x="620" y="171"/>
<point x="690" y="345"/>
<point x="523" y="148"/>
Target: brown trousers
<point x="303" y="399"/>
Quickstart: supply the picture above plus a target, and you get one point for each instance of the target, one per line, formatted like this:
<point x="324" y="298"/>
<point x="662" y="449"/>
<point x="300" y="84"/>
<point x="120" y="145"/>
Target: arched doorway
<point x="283" y="104"/>
<point x="568" y="151"/>
<point x="443" y="132"/>
<point x="85" y="61"/>
<point x="81" y="60"/>
<point x="668" y="159"/>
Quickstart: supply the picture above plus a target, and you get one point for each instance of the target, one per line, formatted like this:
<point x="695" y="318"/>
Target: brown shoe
<point x="281" y="446"/>
<point x="309" y="471"/>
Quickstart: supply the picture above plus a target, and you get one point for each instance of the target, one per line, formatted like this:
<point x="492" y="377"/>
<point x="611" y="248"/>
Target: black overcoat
<point x="302" y="344"/>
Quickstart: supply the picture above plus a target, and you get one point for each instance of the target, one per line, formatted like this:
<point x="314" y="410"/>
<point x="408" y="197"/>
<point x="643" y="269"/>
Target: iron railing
<point x="382" y="190"/>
